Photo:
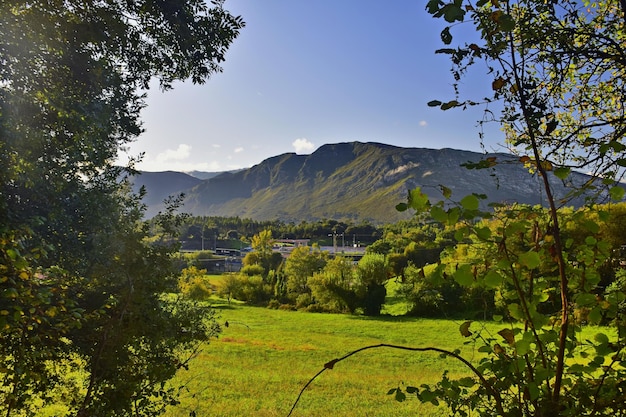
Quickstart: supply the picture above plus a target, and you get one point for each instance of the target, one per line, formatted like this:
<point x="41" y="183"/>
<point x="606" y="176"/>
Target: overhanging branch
<point x="331" y="364"/>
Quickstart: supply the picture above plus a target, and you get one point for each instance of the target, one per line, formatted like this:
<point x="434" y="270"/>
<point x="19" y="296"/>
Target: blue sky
<point x="304" y="73"/>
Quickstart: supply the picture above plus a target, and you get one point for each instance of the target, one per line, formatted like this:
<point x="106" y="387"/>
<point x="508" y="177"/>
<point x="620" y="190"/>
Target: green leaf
<point x="530" y="259"/>
<point x="417" y="199"/>
<point x="516" y="311"/>
<point x="595" y="315"/>
<point x="447" y="193"/>
<point x="470" y="202"/>
<point x="483" y="233"/>
<point x="449" y="105"/>
<point x="439" y="214"/>
<point x="464" y="276"/>
<point x="402" y="207"/>
<point x="427" y="396"/>
<point x="601" y="338"/>
<point x="10" y="293"/>
<point x="515" y="228"/>
<point x="446" y="36"/>
<point x="617" y="146"/>
<point x="592" y="226"/>
<point x="12" y="253"/>
<point x="433" y="6"/>
<point x="522" y="346"/>
<point x="616" y="193"/>
<point x="464" y="329"/>
<point x="434" y="103"/>
<point x="467" y="382"/>
<point x="533" y="390"/>
<point x="585" y="299"/>
<point x="562" y="172"/>
<point x="506" y="22"/>
<point x="493" y="279"/>
<point x="461" y="233"/>
<point x="453" y="12"/>
<point x="400" y="396"/>
<point x="453" y="216"/>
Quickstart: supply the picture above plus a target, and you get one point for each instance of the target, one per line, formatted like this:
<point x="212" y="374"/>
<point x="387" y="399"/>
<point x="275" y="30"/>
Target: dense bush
<point x="194" y="284"/>
<point x="252" y="289"/>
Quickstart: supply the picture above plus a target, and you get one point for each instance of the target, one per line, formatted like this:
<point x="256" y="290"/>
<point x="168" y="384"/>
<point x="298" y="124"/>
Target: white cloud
<point x="423" y="123"/>
<point x="182" y="152"/>
<point x="303" y="145"/>
<point x="239" y="149"/>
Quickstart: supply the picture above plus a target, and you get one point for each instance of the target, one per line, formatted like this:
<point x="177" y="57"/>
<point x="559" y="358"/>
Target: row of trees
<point x="422" y="259"/>
<point x="235" y="231"/>
<point x="310" y="279"/>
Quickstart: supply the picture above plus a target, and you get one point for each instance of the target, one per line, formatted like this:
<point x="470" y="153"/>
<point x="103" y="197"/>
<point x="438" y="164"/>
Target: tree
<point x="372" y="273"/>
<point x="194" y="284"/>
<point x="557" y="77"/>
<point x="302" y="263"/>
<point x="78" y="280"/>
<point x="558" y="70"/>
<point x="334" y="287"/>
<point x="263" y="242"/>
<point x="228" y="286"/>
<point x="263" y="255"/>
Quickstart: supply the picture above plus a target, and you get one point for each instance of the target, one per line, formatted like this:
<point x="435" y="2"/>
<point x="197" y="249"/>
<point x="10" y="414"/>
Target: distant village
<point x="230" y="259"/>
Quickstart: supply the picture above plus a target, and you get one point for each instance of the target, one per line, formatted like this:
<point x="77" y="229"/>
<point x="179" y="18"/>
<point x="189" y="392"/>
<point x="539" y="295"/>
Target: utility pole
<point x="343" y="242"/>
<point x="334" y="235"/>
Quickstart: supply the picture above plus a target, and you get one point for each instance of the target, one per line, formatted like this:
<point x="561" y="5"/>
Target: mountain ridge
<point x="354" y="181"/>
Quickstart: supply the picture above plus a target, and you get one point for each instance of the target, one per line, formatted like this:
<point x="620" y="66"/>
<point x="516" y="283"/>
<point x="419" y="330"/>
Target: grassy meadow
<point x="265" y="357"/>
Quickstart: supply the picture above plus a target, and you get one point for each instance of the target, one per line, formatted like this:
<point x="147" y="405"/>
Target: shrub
<point x="194" y="284"/>
<point x="252" y="270"/>
<point x="252" y="289"/>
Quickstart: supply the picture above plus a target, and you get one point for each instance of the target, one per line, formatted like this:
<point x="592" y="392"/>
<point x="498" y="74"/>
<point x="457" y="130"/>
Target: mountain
<point x="354" y="181"/>
<point x="160" y="185"/>
<point x="203" y="175"/>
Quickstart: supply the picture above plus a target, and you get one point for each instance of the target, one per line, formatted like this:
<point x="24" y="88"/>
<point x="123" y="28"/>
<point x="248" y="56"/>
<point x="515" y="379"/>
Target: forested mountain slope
<point x="359" y="181"/>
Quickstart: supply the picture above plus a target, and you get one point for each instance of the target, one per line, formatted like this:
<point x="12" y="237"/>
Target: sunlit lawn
<point x="265" y="357"/>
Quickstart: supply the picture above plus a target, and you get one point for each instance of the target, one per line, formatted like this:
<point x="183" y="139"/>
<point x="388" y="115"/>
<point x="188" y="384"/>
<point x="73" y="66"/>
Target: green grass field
<point x="264" y="357"/>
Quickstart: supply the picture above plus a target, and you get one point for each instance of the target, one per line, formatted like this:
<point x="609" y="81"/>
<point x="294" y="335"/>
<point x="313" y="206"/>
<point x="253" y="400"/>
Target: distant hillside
<point x="160" y="185"/>
<point x="203" y="175"/>
<point x="358" y="181"/>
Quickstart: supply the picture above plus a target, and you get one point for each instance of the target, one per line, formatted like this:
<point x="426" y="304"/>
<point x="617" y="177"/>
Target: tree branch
<point x="479" y="375"/>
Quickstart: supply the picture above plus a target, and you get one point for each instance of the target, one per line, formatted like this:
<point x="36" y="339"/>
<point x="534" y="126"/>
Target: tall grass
<point x="264" y="357"/>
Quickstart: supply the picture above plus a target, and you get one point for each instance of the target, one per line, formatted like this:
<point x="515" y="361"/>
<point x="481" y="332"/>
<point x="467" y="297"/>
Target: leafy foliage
<point x="553" y="67"/>
<point x="193" y="284"/>
<point x="79" y="282"/>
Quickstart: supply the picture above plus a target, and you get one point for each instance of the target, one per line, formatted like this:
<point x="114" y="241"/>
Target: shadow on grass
<point x="225" y="307"/>
<point x="387" y="318"/>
